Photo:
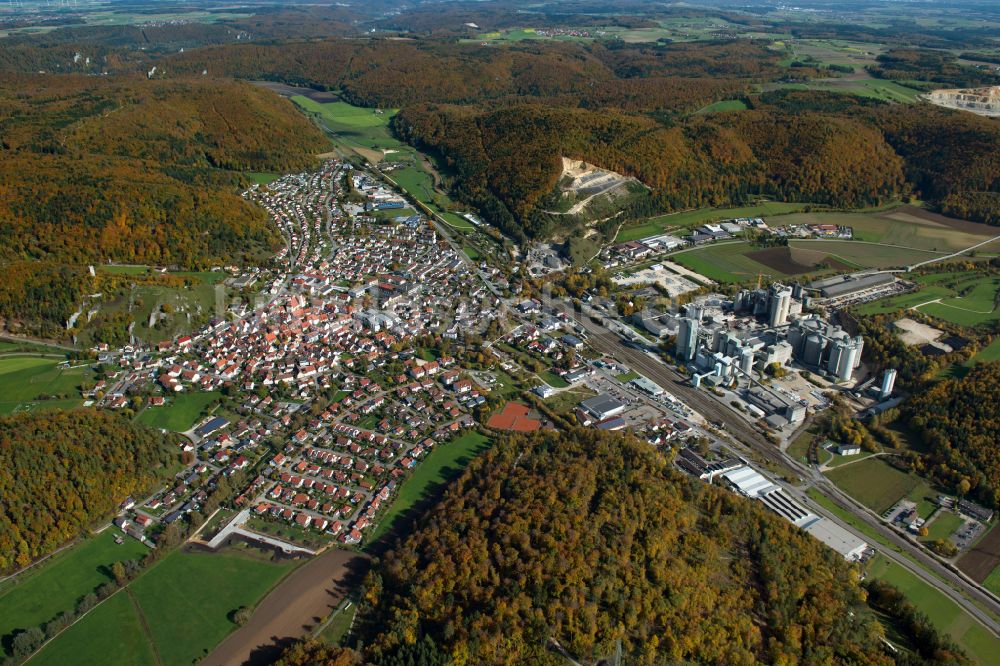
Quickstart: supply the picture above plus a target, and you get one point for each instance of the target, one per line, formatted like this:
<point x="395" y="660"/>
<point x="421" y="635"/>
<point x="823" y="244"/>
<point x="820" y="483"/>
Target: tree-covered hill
<point x="502" y="116"/>
<point x="585" y="539"/>
<point x="62" y="471"/>
<point x="133" y="170"/>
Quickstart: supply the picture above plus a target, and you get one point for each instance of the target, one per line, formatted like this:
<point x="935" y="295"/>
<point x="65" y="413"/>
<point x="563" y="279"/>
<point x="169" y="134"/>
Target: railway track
<point x="950" y="582"/>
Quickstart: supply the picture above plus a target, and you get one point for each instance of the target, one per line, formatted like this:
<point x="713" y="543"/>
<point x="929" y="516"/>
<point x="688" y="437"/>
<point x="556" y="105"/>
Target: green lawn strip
<point x="110" y="635"/>
<point x="506" y="386"/>
<point x="553" y="380"/>
<point x="337" y="628"/>
<point x="943" y="526"/>
<point x="973" y="308"/>
<point x="444" y="463"/>
<point x="39" y="405"/>
<point x="181" y="412"/>
<point x="992" y="582"/>
<point x="206" y="277"/>
<point x="799" y="447"/>
<point x="989" y="353"/>
<point x="874" y="483"/>
<point x="839" y="460"/>
<point x="289" y="532"/>
<point x="54" y="586"/>
<point x="628" y="376"/>
<point x="847" y="517"/>
<point x="115" y="269"/>
<point x="187" y="598"/>
<point x="943" y="613"/>
<point x="903" y="302"/>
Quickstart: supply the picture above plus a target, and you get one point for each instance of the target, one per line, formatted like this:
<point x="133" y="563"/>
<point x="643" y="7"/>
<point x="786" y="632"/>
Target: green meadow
<point x="37" y="382"/>
<point x="443" y="463"/>
<point x="181" y="412"/>
<point x="39" y="594"/>
<point x="176" y="612"/>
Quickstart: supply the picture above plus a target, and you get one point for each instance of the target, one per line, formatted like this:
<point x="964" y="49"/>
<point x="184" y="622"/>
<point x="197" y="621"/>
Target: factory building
<point x="602" y="406"/>
<point x="888" y="382"/>
<point x="752" y="484"/>
<point x="819" y="344"/>
<point x="781" y="410"/>
<point x="843" y="285"/>
<point x="687" y="338"/>
<point x="779" y="303"/>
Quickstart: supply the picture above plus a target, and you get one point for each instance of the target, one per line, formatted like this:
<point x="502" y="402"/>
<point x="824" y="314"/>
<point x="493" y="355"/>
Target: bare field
<point x="983" y="558"/>
<point x="297" y="605"/>
<point x="796" y="260"/>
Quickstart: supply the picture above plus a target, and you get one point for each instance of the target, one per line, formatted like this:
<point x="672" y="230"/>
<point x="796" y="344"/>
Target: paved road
<point x="607" y="342"/>
<point x="35" y="341"/>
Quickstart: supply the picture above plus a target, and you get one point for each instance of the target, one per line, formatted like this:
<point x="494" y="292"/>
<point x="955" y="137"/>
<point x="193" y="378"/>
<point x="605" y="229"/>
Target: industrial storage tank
<point x="848" y="360"/>
<point x="837" y="351"/>
<point x="813" y="349"/>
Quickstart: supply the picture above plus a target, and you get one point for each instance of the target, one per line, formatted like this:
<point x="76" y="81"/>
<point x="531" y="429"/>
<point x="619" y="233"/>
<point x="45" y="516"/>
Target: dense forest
<point x="130" y="169"/>
<point x="126" y="169"/>
<point x="373" y="72"/>
<point x="62" y="471"/>
<point x="502" y="117"/>
<point x="938" y="67"/>
<point x="959" y="422"/>
<point x="510" y="565"/>
<point x="512" y="156"/>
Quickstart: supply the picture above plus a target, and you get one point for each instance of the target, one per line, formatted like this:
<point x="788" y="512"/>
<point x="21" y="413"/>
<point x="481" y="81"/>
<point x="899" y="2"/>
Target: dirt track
<point x="294" y="607"/>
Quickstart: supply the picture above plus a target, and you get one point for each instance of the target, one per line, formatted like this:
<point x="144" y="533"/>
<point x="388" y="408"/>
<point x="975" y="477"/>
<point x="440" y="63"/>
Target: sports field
<point x="445" y="462"/>
<point x="26" y="379"/>
<point x="943" y="613"/>
<point x="53" y="587"/>
<point x="178" y="610"/>
<point x="181" y="411"/>
<point x="263" y="178"/>
<point x="876" y="484"/>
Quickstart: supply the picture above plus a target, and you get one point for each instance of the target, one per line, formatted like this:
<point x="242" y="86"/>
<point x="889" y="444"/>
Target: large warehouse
<point x="602" y="406"/>
<point x="749" y="482"/>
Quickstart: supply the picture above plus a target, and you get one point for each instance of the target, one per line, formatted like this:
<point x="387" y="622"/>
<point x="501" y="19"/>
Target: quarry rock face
<point x="984" y="101"/>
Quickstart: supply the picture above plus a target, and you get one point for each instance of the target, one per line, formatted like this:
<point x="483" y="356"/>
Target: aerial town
<point x="447" y="332"/>
<point x="328" y="361"/>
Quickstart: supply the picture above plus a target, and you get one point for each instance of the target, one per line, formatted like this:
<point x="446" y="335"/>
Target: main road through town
<point x="956" y="586"/>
